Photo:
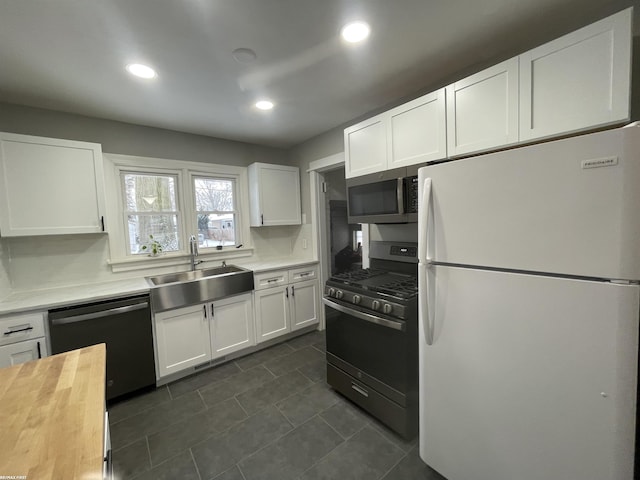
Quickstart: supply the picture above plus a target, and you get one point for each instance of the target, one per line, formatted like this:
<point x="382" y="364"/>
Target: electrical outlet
<point x="304" y="243"/>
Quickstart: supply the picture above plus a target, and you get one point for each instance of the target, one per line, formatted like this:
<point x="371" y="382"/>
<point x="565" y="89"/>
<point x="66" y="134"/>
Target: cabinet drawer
<point x="273" y="278"/>
<point x="310" y="272"/>
<point x="16" y="328"/>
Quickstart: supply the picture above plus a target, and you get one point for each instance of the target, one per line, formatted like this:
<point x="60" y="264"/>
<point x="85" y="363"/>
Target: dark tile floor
<point x="269" y="415"/>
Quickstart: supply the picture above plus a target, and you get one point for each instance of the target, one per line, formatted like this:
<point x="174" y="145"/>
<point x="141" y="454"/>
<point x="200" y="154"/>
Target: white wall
<point x="5" y="284"/>
<point x="29" y="263"/>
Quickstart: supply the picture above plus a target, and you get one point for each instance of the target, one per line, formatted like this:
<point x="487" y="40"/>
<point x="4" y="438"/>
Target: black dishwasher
<point x="124" y="324"/>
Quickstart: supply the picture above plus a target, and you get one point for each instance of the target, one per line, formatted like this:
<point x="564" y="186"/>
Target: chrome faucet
<point x="224" y="263"/>
<point x="193" y="251"/>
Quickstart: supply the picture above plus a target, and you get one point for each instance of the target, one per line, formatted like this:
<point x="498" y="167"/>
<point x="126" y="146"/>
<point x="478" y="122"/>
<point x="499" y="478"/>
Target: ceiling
<point x="69" y="55"/>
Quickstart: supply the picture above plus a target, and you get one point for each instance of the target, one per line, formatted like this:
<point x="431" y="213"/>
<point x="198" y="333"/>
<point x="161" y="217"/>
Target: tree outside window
<point x="151" y="210"/>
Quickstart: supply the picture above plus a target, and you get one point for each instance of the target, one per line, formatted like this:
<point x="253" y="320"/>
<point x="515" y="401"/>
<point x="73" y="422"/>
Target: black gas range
<point x="372" y="335"/>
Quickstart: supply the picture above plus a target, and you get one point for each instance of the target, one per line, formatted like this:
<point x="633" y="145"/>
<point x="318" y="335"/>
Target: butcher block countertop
<point x="52" y="416"/>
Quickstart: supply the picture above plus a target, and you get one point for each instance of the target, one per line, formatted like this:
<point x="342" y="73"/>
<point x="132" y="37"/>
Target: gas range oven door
<point x="372" y="360"/>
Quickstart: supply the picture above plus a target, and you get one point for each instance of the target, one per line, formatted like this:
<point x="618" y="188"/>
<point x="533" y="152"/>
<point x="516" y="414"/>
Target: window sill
<point x="143" y="262"/>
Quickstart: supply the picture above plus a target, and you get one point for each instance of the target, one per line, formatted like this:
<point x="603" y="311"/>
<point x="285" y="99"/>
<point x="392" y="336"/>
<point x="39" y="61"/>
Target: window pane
<point x="164" y="229"/>
<point x="213" y="195"/>
<point x="215" y="230"/>
<point x="149" y="193"/>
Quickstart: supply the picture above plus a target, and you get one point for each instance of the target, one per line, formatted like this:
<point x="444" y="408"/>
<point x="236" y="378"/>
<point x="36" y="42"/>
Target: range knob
<point x="356" y="299"/>
<point x="339" y="294"/>
<point x="386" y="308"/>
<point x="332" y="292"/>
<point x="375" y="305"/>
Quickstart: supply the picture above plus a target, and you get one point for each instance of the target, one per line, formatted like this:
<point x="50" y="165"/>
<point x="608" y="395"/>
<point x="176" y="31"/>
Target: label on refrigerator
<point x="600" y="162"/>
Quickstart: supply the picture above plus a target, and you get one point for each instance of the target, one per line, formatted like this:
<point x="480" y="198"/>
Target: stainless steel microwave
<point x="386" y="197"/>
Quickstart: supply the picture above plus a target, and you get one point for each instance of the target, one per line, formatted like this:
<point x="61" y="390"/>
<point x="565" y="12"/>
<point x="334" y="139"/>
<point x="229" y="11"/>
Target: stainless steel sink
<point x="174" y="290"/>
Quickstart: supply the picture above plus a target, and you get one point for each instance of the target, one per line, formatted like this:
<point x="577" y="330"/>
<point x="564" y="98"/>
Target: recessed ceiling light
<point x="141" y="71"/>
<point x="264" y="105"/>
<point x="355" y="31"/>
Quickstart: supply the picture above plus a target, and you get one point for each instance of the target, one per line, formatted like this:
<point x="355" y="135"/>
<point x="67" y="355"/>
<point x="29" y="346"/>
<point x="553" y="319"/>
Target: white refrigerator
<point x="529" y="261"/>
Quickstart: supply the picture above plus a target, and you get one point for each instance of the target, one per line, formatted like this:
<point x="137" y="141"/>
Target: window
<point x="216" y="213"/>
<point x="151" y="210"/>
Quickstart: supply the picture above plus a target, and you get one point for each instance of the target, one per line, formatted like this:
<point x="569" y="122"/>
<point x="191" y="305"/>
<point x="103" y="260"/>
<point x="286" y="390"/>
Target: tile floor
<point x="269" y="415"/>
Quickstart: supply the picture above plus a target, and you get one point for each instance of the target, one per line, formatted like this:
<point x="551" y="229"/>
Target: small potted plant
<point x="153" y="247"/>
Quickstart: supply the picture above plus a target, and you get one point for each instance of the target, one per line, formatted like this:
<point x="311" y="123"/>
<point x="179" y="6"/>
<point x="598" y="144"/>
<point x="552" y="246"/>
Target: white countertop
<point x="45" y="299"/>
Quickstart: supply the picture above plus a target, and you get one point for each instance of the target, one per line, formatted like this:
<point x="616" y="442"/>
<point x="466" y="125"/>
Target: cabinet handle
<point x="305" y="274"/>
<point x="212" y="314"/>
<point x="102" y="222"/>
<point x="261" y="219"/>
<point x="204" y="307"/>
<point x="39" y="351"/>
<point x="293" y="291"/>
<point x="26" y="329"/>
<point x="287" y="291"/>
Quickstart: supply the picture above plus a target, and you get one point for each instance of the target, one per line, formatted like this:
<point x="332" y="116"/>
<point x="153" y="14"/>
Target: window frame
<point x="237" y="216"/>
<point x="120" y="260"/>
<point x="125" y="213"/>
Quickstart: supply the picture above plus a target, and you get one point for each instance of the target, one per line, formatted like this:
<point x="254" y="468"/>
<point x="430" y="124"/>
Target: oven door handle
<point x="365" y="316"/>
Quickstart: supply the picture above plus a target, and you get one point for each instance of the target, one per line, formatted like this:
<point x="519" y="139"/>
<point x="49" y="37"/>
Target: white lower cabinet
<point x="190" y="336"/>
<point x="272" y="313"/>
<point x="290" y="306"/>
<point x="232" y="326"/>
<point x="304" y="304"/>
<point x="182" y="339"/>
<point x="22" y="339"/>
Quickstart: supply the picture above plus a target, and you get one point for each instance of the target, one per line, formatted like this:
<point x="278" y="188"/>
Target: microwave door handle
<point x="400" y="195"/>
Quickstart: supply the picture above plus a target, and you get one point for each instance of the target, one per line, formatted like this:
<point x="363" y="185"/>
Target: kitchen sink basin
<point x="181" y="289"/>
<point x="194" y="274"/>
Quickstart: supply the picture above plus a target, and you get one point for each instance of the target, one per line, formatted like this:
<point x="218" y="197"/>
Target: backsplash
<point x="5" y="283"/>
<point x="33" y="263"/>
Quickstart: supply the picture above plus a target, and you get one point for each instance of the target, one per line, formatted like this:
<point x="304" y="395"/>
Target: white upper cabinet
<point x="50" y="186"/>
<point x="579" y="81"/>
<point x="274" y="195"/>
<point x="417" y="131"/>
<point x="366" y="147"/>
<point x="409" y="134"/>
<point x="482" y="110"/>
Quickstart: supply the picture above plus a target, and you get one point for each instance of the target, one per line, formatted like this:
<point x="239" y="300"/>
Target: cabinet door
<point x="50" y="186"/>
<point x="21" y="352"/>
<point x="182" y="339"/>
<point x="275" y="192"/>
<point x="579" y="81"/>
<point x="418" y="131"/>
<point x="304" y="300"/>
<point x="482" y="110"/>
<point x="232" y="326"/>
<point x="272" y="313"/>
<point x="365" y="147"/>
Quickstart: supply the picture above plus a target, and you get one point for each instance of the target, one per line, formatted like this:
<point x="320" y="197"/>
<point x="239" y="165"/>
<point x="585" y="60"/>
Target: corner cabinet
<point x="274" y="195"/>
<point x="285" y="301"/>
<point x="579" y="81"/>
<point x="409" y="134"/>
<point x="50" y="186"/>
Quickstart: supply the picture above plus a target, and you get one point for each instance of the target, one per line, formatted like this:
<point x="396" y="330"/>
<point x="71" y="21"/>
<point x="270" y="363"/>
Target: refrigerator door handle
<point x="424" y="263"/>
<point x="423" y="222"/>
